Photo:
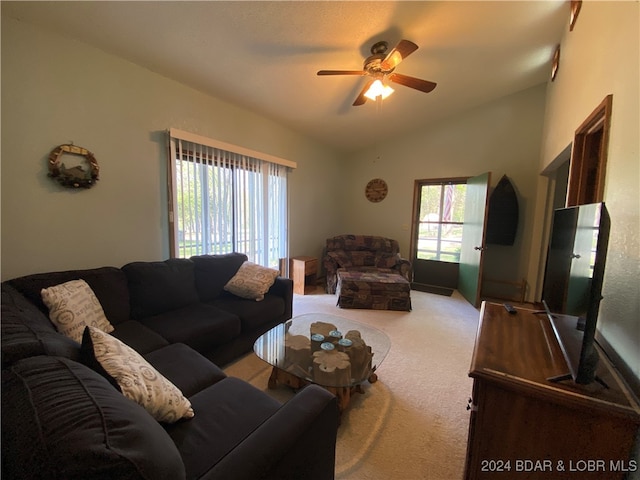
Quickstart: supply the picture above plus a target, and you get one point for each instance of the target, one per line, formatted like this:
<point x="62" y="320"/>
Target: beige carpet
<point x="412" y="423"/>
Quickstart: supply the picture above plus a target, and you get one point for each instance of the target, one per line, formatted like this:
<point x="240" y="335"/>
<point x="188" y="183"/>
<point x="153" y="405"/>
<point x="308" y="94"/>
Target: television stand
<point x="568" y="376"/>
<point x="517" y="414"/>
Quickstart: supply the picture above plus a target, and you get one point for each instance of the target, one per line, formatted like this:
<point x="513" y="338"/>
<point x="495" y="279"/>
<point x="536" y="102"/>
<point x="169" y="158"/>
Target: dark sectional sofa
<point x="62" y="419"/>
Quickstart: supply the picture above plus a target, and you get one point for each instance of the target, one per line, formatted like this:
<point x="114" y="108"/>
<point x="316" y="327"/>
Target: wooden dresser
<point x="523" y="426"/>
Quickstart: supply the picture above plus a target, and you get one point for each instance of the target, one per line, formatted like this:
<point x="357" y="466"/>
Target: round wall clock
<point x="376" y="190"/>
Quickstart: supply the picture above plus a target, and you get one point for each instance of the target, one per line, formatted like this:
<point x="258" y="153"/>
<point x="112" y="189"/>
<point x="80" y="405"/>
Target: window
<point x="440" y="220"/>
<point x="223" y="202"/>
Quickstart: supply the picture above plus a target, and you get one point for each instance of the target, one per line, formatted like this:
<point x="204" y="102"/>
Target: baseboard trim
<point x="421" y="287"/>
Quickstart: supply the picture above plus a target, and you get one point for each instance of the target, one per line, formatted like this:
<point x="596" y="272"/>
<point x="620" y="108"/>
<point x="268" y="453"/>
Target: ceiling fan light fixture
<point x="393" y="59"/>
<point x="380" y="68"/>
<point x="378" y="89"/>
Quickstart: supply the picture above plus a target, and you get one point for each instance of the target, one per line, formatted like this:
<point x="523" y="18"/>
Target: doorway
<point x="448" y="235"/>
<point x="589" y="157"/>
<point x="437" y="235"/>
<point x="578" y="173"/>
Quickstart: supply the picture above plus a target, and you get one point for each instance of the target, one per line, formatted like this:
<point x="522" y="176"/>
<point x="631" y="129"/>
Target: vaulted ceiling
<point x="264" y="55"/>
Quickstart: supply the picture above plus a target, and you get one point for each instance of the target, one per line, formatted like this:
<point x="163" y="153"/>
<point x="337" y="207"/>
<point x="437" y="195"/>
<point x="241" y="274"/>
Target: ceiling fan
<point x="380" y="66"/>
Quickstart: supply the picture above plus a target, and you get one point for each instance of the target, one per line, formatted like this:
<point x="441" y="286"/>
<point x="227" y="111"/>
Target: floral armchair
<point x="363" y="253"/>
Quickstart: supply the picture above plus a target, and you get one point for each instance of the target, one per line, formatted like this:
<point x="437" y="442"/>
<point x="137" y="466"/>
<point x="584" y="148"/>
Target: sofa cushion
<point x="108" y="283"/>
<point x="340" y="257"/>
<point x="21" y="341"/>
<point x="60" y="419"/>
<point x="137" y="379"/>
<point x="369" y="243"/>
<point x="228" y="411"/>
<point x="72" y="306"/>
<point x="27" y="332"/>
<point x="142" y="339"/>
<point x="363" y="259"/>
<point x="212" y="273"/>
<point x="185" y="368"/>
<point x="200" y="326"/>
<point x="252" y="281"/>
<point x="157" y="287"/>
<point x="24" y="311"/>
<point x="252" y="314"/>
<point x="387" y="260"/>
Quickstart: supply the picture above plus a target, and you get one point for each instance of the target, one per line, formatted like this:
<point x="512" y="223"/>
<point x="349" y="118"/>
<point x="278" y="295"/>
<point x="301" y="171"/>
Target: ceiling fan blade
<point x="361" y="99"/>
<point x="412" y="82"/>
<point x="342" y="72"/>
<point x="399" y="53"/>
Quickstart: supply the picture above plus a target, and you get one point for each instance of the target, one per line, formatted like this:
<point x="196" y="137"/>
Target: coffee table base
<point x="343" y="394"/>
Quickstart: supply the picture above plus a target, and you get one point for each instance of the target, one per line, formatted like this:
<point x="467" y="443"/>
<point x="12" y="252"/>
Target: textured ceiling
<point x="264" y="55"/>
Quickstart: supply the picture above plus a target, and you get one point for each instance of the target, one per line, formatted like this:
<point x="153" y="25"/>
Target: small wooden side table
<point x="303" y="273"/>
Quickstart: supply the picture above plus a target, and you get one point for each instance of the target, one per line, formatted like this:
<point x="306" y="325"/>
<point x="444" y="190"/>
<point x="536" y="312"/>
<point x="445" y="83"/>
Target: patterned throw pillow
<point x="252" y="281"/>
<point x="137" y="379"/>
<point x="72" y="306"/>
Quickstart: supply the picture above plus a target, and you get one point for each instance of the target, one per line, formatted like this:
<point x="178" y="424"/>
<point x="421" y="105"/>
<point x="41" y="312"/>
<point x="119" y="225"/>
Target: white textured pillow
<point x="138" y="380"/>
<point x="252" y="281"/>
<point x="73" y="306"/>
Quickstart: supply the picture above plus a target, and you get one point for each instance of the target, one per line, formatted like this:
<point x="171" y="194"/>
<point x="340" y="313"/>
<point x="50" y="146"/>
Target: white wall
<point x="600" y="57"/>
<point x="502" y="137"/>
<point x="55" y="90"/>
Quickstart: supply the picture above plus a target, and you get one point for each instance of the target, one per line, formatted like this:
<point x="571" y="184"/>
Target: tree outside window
<point x="441" y="217"/>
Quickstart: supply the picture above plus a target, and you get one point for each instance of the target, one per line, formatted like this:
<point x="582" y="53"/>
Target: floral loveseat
<point x="363" y="253"/>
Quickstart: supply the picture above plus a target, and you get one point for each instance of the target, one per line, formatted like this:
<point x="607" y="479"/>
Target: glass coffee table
<point x="333" y="352"/>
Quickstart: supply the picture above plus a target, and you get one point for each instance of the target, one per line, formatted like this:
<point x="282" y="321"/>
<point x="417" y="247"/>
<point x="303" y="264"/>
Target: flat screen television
<point x="572" y="288"/>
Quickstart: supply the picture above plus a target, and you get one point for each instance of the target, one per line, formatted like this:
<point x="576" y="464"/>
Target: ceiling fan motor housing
<point x="373" y="63"/>
<point x="379" y="47"/>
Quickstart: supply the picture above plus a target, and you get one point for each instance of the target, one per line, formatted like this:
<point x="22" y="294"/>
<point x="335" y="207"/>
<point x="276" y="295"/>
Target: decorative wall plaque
<point x="83" y="175"/>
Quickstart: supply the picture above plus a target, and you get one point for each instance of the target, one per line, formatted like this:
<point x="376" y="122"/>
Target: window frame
<point x="271" y="171"/>
<point x="417" y="222"/>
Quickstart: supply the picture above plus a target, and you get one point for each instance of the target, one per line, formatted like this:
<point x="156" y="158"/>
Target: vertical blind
<point x="223" y="201"/>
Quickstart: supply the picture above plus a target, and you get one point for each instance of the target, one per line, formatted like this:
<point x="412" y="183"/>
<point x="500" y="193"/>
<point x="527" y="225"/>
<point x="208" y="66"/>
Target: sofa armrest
<point x="403" y="266"/>
<point x="331" y="265"/>
<point x="298" y="441"/>
<point x="283" y="287"/>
